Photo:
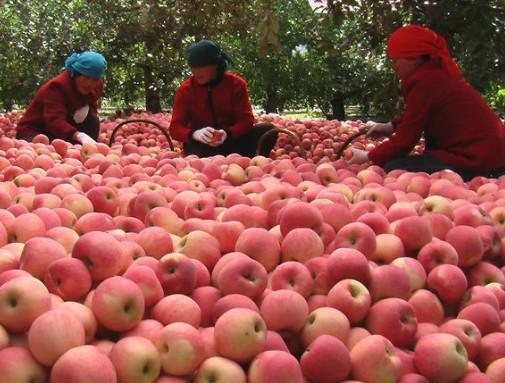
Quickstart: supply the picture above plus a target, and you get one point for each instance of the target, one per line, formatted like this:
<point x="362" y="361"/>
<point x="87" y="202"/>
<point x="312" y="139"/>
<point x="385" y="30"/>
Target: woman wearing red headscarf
<point x="461" y="131"/>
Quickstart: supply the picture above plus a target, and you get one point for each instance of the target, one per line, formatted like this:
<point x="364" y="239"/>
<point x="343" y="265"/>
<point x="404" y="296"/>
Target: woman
<point x="212" y="113"/>
<point x="461" y="131"/>
<point x="66" y="106"/>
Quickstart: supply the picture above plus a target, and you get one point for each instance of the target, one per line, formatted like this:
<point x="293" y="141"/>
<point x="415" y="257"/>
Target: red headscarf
<point x="414" y="41"/>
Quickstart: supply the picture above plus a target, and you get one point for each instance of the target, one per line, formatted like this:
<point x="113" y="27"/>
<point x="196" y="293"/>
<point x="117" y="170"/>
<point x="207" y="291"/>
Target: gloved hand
<point x="81" y="114"/>
<point x="379" y="128"/>
<point x="358" y="156"/>
<point x="83" y="138"/>
<point x="203" y="135"/>
<point x="219" y="136"/>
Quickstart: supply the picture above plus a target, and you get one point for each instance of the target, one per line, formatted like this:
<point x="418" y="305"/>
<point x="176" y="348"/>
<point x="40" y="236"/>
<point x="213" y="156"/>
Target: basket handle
<point x="163" y="130"/>
<point x="349" y="140"/>
<point x="280" y="130"/>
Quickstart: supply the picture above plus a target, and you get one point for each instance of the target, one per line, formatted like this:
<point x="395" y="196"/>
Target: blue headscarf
<point x="88" y="63"/>
<point x="207" y="52"/>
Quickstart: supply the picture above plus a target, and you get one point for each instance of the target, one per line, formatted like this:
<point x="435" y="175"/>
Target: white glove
<point x="220" y="137"/>
<point x="203" y="135"/>
<point x="81" y="114"/>
<point x="358" y="156"/>
<point x="379" y="128"/>
<point x="83" y="138"/>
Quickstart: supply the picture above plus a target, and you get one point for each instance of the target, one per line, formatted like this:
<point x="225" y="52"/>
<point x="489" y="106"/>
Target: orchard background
<point x="296" y="55"/>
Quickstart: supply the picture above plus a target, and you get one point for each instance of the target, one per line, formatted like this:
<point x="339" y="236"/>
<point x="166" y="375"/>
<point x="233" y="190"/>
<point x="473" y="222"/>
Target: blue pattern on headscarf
<point x="88" y="63"/>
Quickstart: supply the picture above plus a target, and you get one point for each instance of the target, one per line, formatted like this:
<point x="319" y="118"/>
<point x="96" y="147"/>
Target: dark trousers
<point x="245" y="145"/>
<point x="431" y="164"/>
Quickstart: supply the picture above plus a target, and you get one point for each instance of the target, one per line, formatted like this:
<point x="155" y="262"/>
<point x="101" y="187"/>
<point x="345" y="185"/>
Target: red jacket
<point x="458" y="125"/>
<point x="51" y="110"/>
<point x="224" y="106"/>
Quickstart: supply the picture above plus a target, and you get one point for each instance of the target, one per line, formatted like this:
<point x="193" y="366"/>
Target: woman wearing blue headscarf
<point x="66" y="106"/>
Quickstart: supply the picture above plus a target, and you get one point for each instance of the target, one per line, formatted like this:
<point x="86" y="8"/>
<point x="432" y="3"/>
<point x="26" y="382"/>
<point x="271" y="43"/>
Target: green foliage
<point x="293" y="56"/>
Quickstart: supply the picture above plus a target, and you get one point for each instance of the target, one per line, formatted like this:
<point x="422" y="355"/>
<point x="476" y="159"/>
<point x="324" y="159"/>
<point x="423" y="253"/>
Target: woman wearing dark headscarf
<point x="66" y="106"/>
<point x="212" y="113"/>
<point x="461" y="131"/>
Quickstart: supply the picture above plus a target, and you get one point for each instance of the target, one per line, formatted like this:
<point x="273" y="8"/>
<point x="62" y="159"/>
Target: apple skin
<point x="240" y="334"/>
<point x="177" y="308"/>
<point x="449" y="283"/>
<point x="435" y="253"/>
<point x="220" y="370"/>
<point x="373" y="359"/>
<point x="31" y="299"/>
<point x="440" y="357"/>
<point x="496" y="370"/>
<point x="348" y="263"/>
<point x="468" y="244"/>
<point x="261" y="245"/>
<point x="395" y="319"/>
<point x="181" y="349"/>
<point x="467" y="332"/>
<point x="156" y="241"/>
<point x="284" y="310"/>
<point x="242" y="275"/>
<point x="325" y="321"/>
<point x="118" y="304"/>
<point x="389" y="281"/>
<point x="427" y="306"/>
<point x="350" y="297"/>
<point x="68" y="278"/>
<point x="17" y="365"/>
<point x="146" y="279"/>
<point x="136" y="359"/>
<point x="85" y="315"/>
<point x="326" y="360"/>
<point x="355" y="235"/>
<point x="53" y="333"/>
<point x="492" y="348"/>
<point x="292" y="275"/>
<point x="206" y="297"/>
<point x="177" y="273"/>
<point x="232" y="301"/>
<point x="301" y="244"/>
<point x="300" y="214"/>
<point x="275" y="366"/>
<point x="101" y="253"/>
<point x="83" y="364"/>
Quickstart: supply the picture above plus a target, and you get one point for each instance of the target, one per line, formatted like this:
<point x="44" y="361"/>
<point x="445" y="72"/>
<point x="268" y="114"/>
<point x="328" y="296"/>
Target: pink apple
<point x="326" y="360"/>
<point x="355" y="235"/>
<point x="435" y="253"/>
<point x="83" y="364"/>
<point x="427" y="306"/>
<point x="22" y="300"/>
<point x="318" y="268"/>
<point x="441" y="357"/>
<point x="467" y="332"/>
<point x="177" y="308"/>
<point x="177" y="273"/>
<point x="31" y="260"/>
<point x="147" y="328"/>
<point x="68" y="278"/>
<point x="242" y="275"/>
<point x="389" y="281"/>
<point x="325" y="321"/>
<point x="415" y="271"/>
<point x="53" y="333"/>
<point x="300" y="214"/>
<point x="104" y="199"/>
<point x="261" y="245"/>
<point x="284" y="310"/>
<point x="301" y="244"/>
<point x="146" y="279"/>
<point x="136" y="359"/>
<point x="389" y="247"/>
<point x="26" y="226"/>
<point x="350" y="297"/>
<point x="414" y="231"/>
<point x="449" y="282"/>
<point x="84" y="314"/>
<point x="395" y="319"/>
<point x="118" y="304"/>
<point x="232" y="301"/>
<point x="220" y="370"/>
<point x="346" y="263"/>
<point x="275" y="366"/>
<point x="373" y="359"/>
<point x="206" y="297"/>
<point x="17" y="365"/>
<point x="227" y="233"/>
<point x="485" y="317"/>
<point x="190" y="245"/>
<point x="292" y="275"/>
<point x="240" y="334"/>
<point x="468" y="244"/>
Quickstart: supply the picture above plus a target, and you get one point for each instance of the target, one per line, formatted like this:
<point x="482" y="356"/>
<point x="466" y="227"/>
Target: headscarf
<point x="207" y="52"/>
<point x="414" y="41"/>
<point x="88" y="63"/>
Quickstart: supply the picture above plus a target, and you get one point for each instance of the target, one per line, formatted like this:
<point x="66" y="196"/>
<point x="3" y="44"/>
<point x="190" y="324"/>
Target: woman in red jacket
<point x="462" y="133"/>
<point x="66" y="106"/>
<point x="212" y="113"/>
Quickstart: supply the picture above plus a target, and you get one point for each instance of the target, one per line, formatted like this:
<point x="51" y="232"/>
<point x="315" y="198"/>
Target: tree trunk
<point x="271" y="101"/>
<point x="153" y="102"/>
<point x="337" y="106"/>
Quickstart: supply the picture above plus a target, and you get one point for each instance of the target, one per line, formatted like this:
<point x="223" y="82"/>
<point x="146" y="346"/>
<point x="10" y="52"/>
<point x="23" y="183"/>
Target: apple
<point x="206" y="297"/>
<point x="93" y="222"/>
<point x="177" y="308"/>
<point x="467" y="332"/>
<point x="284" y="310"/>
<point x="227" y="233"/>
<point x="449" y="283"/>
<point x="26" y="226"/>
<point x="437" y="252"/>
<point x="292" y="275"/>
<point x="22" y="300"/>
<point x="347" y="263"/>
<point x="414" y="231"/>
<point x="355" y="235"/>
<point x="326" y="360"/>
<point x="136" y="360"/>
<point x="190" y="245"/>
<point x="389" y="247"/>
<point x="350" y="297"/>
<point x="104" y="199"/>
<point x="220" y="370"/>
<point x="373" y="359"/>
<point x="261" y="245"/>
<point x="325" y="321"/>
<point x="468" y="244"/>
<point x="389" y="281"/>
<point x="240" y="334"/>
<point x="485" y="317"/>
<point x="300" y="214"/>
<point x="147" y="328"/>
<point x="318" y="268"/>
<point x="177" y="273"/>
<point x="101" y="253"/>
<point x="232" y="301"/>
<point x="156" y="241"/>
<point x="17" y="365"/>
<point x="301" y="244"/>
<point x="440" y="357"/>
<point x="31" y="260"/>
<point x="84" y="314"/>
<point x="427" y="306"/>
<point x="395" y="319"/>
<point x="275" y="366"/>
<point x="496" y="370"/>
<point x="83" y="364"/>
<point x="53" y="333"/>
<point x="146" y="279"/>
<point x="118" y="304"/>
<point x="68" y="278"/>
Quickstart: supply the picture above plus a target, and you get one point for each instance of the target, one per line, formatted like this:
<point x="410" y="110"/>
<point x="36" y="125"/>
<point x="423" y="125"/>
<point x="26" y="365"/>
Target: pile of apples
<point x="131" y="263"/>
